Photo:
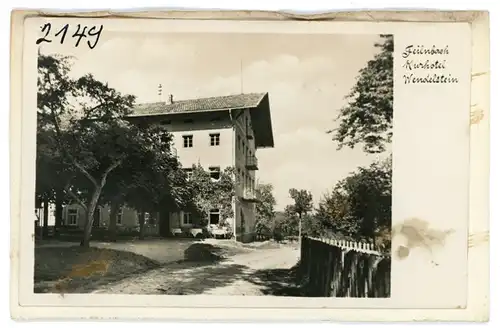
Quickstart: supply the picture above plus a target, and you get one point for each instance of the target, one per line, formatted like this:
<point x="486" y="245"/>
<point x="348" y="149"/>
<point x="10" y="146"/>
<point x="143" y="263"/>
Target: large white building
<point x="217" y="132"/>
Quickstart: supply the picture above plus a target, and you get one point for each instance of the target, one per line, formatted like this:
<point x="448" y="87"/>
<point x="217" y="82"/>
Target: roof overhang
<point x="262" y="124"/>
<point x="202" y="114"/>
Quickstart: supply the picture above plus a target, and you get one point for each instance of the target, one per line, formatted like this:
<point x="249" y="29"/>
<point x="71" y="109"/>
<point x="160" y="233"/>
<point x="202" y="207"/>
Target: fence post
<point x="302" y="259"/>
<point x="329" y="272"/>
<point x="341" y="268"/>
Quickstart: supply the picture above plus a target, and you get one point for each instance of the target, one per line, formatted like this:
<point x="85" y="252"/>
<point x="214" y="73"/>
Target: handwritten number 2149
<point x="80" y="33"/>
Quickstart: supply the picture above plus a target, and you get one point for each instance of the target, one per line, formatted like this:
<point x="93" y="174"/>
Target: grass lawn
<point x="69" y="269"/>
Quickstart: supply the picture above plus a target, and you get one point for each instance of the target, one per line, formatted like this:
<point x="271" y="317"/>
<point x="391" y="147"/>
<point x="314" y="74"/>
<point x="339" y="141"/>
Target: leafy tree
<point x="45" y="183"/>
<point x="286" y="223"/>
<point x="162" y="183"/>
<point x="360" y="205"/>
<point x="282" y="225"/>
<point x="367" y="117"/>
<point x="96" y="142"/>
<point x="54" y="87"/>
<point x="93" y="138"/>
<point x="265" y="209"/>
<point x="311" y="226"/>
<point x="333" y="214"/>
<point x="302" y="205"/>
<point x="210" y="193"/>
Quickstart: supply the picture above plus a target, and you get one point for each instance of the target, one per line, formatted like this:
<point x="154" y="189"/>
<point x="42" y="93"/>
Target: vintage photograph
<point x="213" y="163"/>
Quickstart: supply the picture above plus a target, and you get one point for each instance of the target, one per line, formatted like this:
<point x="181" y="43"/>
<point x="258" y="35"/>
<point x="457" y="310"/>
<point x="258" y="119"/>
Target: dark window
<point x="214" y="139"/>
<point x="119" y="216"/>
<point x="188" y="141"/>
<point x="214" y="216"/>
<point x="188" y="121"/>
<point x="72" y="216"/>
<point x="214" y="172"/>
<point x="186" y="218"/>
<point x="166" y="122"/>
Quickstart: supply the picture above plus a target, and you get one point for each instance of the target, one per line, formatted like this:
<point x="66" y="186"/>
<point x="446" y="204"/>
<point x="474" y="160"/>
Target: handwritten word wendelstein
<point x="94" y="33"/>
<point x="421" y="50"/>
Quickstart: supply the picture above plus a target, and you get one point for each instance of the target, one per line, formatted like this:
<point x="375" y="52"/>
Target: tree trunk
<point x="164" y="222"/>
<point x="141" y="225"/>
<point x="58" y="212"/>
<point x="45" y="218"/>
<point x="87" y="231"/>
<point x="113" y="214"/>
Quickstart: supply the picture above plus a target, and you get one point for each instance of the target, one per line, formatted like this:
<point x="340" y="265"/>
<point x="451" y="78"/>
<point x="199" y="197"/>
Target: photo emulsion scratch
<point x="213" y="164"/>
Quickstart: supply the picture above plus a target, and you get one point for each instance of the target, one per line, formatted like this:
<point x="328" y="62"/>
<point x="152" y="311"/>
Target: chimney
<point x="170" y="100"/>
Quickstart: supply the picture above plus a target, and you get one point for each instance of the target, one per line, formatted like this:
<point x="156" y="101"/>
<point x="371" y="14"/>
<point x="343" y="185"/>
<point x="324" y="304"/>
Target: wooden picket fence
<point x="330" y="268"/>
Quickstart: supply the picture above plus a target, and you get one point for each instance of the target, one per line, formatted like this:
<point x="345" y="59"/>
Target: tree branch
<point x="91" y="111"/>
<point x="74" y="196"/>
<point x="85" y="172"/>
<point x="108" y="170"/>
<point x="64" y="150"/>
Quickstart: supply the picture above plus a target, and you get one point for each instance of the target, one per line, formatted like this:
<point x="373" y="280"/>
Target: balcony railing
<point x="249" y="195"/>
<point x="252" y="163"/>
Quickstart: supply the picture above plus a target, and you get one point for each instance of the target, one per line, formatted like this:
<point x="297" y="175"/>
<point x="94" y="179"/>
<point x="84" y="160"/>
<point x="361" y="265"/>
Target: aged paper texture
<point x="250" y="166"/>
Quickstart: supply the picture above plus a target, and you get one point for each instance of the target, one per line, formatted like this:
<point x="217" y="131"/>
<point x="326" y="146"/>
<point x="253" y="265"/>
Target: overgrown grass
<point x="66" y="269"/>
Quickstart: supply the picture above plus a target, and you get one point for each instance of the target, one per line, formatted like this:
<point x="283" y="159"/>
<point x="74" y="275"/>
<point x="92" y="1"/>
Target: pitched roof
<point x="248" y="100"/>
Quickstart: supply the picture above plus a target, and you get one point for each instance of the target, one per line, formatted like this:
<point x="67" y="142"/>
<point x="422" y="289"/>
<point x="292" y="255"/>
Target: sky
<point x="306" y="76"/>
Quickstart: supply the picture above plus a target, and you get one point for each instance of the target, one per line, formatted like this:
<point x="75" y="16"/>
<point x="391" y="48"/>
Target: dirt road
<point x="259" y="272"/>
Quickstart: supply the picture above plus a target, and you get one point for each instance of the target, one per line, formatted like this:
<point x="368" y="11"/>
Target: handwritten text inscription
<point x="76" y="34"/>
<point x="426" y="65"/>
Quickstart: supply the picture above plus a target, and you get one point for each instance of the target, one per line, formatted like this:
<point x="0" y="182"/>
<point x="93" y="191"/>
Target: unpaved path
<point x="259" y="272"/>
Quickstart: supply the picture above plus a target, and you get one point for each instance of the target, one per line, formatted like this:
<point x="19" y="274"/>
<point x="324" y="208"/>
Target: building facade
<point x="127" y="219"/>
<point x="216" y="133"/>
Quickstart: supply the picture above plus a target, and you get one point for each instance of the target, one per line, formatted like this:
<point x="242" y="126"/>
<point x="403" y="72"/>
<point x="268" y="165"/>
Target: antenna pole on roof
<point x="160" y="92"/>
<point x="241" y="75"/>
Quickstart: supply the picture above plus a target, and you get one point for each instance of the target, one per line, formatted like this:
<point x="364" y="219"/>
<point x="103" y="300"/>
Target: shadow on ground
<point x="206" y="252"/>
<point x="78" y="270"/>
<point x="277" y="282"/>
<point x="201" y="257"/>
<point x="205" y="279"/>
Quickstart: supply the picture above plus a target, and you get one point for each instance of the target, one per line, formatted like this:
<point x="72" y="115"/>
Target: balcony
<point x="249" y="195"/>
<point x="252" y="163"/>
